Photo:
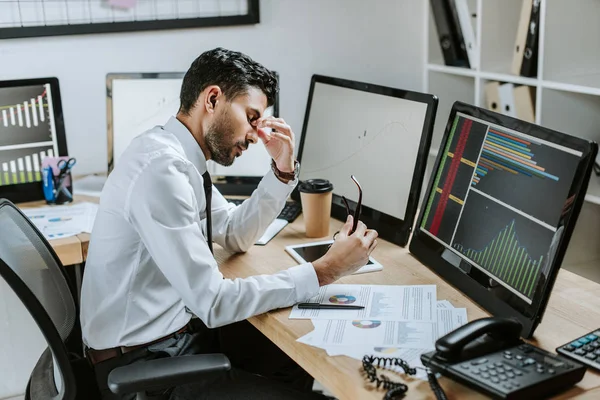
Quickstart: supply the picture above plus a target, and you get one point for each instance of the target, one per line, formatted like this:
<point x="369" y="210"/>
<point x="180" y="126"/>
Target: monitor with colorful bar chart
<point x="501" y="196"/>
<point x="31" y="129"/>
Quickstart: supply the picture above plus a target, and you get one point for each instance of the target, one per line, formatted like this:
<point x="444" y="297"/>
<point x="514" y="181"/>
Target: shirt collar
<point x="192" y="149"/>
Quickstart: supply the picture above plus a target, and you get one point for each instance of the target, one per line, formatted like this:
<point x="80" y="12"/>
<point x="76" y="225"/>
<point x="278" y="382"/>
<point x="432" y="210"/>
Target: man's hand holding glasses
<point x="348" y="253"/>
<point x="351" y="248"/>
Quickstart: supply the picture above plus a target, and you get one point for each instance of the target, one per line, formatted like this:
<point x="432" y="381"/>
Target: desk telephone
<point x="489" y="356"/>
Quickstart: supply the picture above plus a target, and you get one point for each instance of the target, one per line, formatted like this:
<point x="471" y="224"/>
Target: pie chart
<point x="385" y="350"/>
<point x="366" y="323"/>
<point x="342" y="299"/>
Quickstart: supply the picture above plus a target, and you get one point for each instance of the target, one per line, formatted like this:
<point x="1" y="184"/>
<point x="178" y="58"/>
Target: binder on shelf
<point x="492" y="97"/>
<point x="447" y="34"/>
<point x="525" y="57"/>
<point x="467" y="32"/>
<point x="461" y="47"/>
<point x="524" y="104"/>
<point x="507" y="99"/>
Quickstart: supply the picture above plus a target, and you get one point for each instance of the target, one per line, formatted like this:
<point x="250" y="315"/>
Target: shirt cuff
<point x="275" y="188"/>
<point x="305" y="281"/>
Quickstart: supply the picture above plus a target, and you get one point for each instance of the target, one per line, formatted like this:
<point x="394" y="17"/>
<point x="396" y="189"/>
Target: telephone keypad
<point x="513" y="370"/>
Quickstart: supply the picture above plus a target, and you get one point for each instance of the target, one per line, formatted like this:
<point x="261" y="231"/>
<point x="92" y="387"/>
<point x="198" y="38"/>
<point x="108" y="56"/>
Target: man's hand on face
<point x="279" y="142"/>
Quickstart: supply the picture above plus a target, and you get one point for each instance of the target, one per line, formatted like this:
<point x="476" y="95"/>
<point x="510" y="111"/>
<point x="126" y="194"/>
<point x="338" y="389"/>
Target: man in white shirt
<point x="150" y="266"/>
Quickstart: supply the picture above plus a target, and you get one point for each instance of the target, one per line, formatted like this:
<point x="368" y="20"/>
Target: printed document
<point x="381" y="302"/>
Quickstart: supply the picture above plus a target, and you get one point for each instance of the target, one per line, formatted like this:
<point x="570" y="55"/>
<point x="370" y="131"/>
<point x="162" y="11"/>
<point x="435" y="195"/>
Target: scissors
<point x="64" y="167"/>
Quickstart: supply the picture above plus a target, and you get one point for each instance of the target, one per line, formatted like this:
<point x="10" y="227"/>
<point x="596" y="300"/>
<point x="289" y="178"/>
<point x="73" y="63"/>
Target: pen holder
<point x="57" y="182"/>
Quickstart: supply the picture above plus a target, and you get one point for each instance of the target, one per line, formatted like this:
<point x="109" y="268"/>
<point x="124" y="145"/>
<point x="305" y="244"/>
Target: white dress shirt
<point x="149" y="266"/>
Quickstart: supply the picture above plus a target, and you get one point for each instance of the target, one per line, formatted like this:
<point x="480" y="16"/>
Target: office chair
<point x="33" y="271"/>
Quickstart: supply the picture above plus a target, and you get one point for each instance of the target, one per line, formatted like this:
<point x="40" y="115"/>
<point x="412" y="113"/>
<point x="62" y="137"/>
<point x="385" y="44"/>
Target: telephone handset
<point x="479" y="337"/>
<point x="488" y="355"/>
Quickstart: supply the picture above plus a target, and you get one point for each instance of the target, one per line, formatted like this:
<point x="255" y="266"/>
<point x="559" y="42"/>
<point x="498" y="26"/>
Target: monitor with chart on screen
<point x="31" y="128"/>
<point x="380" y="135"/>
<point x="137" y="102"/>
<point x="500" y="208"/>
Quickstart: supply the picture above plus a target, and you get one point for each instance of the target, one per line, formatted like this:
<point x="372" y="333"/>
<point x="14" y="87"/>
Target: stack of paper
<point x="397" y="321"/>
<point x="63" y="221"/>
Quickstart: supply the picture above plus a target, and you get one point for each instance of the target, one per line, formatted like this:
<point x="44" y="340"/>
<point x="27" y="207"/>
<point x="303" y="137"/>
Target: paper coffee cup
<point x="316" y="195"/>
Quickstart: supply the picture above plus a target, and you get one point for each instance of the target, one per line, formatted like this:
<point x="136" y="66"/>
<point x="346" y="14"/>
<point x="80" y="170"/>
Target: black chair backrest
<point x="32" y="269"/>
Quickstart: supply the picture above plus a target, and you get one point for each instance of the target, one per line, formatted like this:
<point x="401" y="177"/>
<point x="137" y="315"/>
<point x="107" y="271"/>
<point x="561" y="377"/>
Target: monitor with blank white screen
<point x="380" y="135"/>
<point x="137" y="102"/>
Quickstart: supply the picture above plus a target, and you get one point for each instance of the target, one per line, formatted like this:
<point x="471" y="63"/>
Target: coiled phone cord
<point x="396" y="390"/>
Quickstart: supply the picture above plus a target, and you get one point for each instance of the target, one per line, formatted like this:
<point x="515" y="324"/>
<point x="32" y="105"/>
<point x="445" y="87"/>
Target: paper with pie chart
<point x="401" y="334"/>
<point x="381" y="302"/>
<point x="357" y="337"/>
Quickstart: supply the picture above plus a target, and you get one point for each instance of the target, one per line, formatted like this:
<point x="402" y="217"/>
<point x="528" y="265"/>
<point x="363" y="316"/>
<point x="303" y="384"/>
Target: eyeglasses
<point x="357" y="211"/>
<point x="356" y="214"/>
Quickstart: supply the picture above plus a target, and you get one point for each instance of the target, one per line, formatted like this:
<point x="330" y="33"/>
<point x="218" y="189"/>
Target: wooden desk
<point x="71" y="250"/>
<point x="573" y="310"/>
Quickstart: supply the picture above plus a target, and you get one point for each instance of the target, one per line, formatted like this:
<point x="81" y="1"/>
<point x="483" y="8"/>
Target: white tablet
<point x="309" y="252"/>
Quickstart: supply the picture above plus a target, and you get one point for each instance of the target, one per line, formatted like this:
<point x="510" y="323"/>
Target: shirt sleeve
<point x="238" y="228"/>
<point x="162" y="207"/>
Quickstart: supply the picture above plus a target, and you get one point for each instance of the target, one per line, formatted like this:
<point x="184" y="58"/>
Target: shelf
<point x="576" y="114"/>
<point x="452" y="70"/>
<point x="571" y="51"/>
<point x="567" y="87"/>
<point x="519" y="80"/>
<point x="489" y="75"/>
<point x="499" y="25"/>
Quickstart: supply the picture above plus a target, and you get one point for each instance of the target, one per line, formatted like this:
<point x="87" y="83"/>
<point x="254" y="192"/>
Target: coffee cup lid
<point x="315" y="186"/>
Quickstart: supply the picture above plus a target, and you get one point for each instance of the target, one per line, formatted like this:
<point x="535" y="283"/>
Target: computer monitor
<point x="137" y="102"/>
<point x="381" y="135"/>
<point x="31" y="128"/>
<point x="500" y="208"/>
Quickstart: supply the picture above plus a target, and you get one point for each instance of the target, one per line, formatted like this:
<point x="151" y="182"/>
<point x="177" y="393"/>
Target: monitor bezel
<point x="392" y="229"/>
<point x="430" y="252"/>
<point x="33" y="191"/>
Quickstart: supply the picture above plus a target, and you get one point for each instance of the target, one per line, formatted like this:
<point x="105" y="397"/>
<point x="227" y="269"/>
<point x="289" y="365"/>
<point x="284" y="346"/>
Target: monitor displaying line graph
<point x="497" y="199"/>
<point x="27" y="132"/>
<point x="372" y="136"/>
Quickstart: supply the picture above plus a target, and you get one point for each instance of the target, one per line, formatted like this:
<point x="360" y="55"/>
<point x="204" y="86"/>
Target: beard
<point x="220" y="141"/>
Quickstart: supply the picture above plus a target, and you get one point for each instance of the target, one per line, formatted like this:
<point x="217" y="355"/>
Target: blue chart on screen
<point x="342" y="299"/>
<point x="366" y="324"/>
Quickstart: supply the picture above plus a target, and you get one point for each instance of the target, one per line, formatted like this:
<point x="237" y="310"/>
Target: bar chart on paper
<point x="27" y="133"/>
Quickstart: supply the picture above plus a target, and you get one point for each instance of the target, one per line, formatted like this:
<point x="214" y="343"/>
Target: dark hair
<point x="232" y="71"/>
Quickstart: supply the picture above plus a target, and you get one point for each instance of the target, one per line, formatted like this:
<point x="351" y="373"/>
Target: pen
<point x="319" y="306"/>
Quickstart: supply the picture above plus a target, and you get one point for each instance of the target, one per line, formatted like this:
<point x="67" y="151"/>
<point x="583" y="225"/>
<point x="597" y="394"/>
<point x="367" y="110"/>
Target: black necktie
<point x="208" y="195"/>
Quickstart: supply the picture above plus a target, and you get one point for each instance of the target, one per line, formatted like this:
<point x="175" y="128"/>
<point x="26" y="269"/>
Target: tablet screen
<point x="313" y="253"/>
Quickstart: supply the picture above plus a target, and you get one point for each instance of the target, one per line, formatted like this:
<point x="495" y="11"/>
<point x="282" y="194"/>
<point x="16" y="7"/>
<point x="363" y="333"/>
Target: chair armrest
<point x="165" y="372"/>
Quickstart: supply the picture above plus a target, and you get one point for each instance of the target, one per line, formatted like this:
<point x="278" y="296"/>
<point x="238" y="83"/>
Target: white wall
<point x="378" y="41"/>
